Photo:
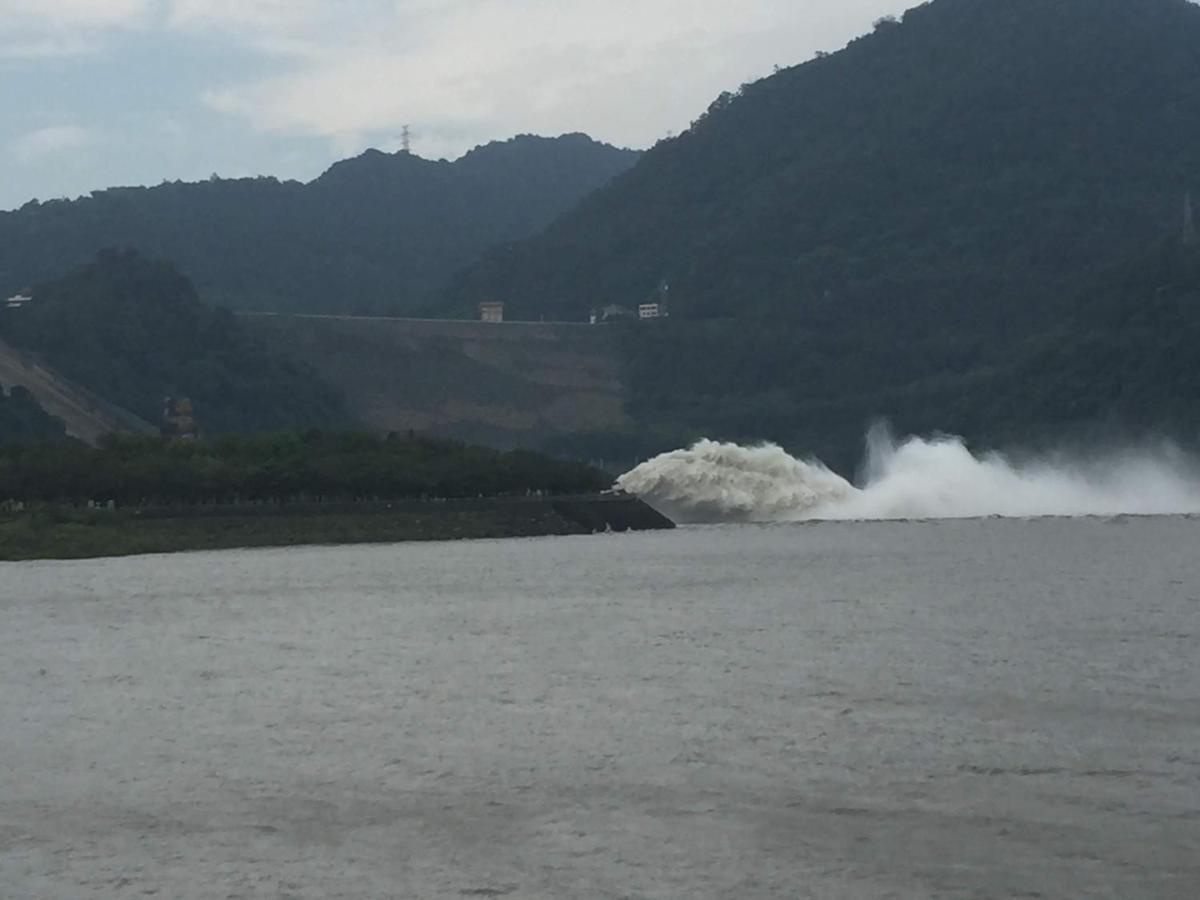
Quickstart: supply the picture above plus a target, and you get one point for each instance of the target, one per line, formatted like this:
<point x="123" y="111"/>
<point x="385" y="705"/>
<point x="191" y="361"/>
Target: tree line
<point x="311" y="466"/>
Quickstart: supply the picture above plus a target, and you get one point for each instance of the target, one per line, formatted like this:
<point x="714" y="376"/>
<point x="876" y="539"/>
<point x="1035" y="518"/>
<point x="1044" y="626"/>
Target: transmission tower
<point x="406" y="139"/>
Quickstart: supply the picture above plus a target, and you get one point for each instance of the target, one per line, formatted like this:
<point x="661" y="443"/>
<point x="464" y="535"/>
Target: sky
<point x="95" y="93"/>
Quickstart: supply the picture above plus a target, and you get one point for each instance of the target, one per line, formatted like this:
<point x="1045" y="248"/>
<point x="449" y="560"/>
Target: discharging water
<point x="985" y="709"/>
<point x="917" y="478"/>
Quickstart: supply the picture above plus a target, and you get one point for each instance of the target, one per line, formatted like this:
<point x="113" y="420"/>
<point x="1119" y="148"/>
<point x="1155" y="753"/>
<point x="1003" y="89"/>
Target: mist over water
<point x="916" y="478"/>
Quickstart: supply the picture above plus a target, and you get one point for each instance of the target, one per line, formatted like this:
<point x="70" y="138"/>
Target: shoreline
<point x="65" y="533"/>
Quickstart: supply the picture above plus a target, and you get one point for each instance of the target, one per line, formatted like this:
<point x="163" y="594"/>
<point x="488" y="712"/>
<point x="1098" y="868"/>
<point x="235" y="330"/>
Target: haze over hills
<point x="880" y="231"/>
<point x="381" y="233"/>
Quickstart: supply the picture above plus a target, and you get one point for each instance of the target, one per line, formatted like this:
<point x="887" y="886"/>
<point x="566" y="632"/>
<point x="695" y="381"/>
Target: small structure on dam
<point x="491" y="311"/>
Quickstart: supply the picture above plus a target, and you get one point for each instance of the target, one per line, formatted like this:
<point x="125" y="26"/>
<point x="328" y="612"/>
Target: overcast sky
<point x="101" y="92"/>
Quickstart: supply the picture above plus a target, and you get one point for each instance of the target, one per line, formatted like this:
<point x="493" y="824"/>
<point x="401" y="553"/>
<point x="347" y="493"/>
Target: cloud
<point x="40" y="30"/>
<point x="48" y="48"/>
<point x="460" y="71"/>
<point x="53" y="140"/>
<point x="73" y="13"/>
<point x="273" y="16"/>
<point x="463" y="70"/>
<point x="286" y="86"/>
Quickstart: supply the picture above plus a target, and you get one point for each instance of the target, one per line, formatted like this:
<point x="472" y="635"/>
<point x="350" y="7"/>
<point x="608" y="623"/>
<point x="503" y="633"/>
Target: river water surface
<point x="969" y="709"/>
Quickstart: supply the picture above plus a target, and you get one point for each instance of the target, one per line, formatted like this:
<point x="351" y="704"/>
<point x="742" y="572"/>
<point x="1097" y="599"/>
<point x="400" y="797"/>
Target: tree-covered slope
<point x="880" y="231"/>
<point x="379" y="233"/>
<point x="959" y="168"/>
<point x="1122" y="365"/>
<point x="133" y="331"/>
<point x="1127" y="359"/>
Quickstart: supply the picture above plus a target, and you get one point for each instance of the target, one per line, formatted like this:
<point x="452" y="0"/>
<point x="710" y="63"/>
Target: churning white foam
<point x="913" y="479"/>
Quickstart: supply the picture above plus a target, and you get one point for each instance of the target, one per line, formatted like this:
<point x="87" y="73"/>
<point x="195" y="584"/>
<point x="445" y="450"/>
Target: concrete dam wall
<point x="503" y="384"/>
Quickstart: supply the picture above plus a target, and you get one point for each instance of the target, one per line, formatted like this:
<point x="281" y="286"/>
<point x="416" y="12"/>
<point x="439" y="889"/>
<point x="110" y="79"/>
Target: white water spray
<point x="913" y="479"/>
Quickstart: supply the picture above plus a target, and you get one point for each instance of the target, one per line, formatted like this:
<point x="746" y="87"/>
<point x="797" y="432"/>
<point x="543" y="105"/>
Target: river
<point x="981" y="708"/>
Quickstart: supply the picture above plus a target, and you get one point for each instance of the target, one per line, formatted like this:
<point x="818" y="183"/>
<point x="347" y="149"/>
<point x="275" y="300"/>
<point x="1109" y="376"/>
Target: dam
<point x="504" y="384"/>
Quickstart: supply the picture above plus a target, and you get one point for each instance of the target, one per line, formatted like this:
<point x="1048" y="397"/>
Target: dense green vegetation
<point x="1126" y="359"/>
<point x="311" y="467"/>
<point x="65" y="533"/>
<point x="149" y="495"/>
<point x="381" y="233"/>
<point x="22" y="419"/>
<point x="1123" y="364"/>
<point x="956" y="169"/>
<point x="902" y="229"/>
<point x="133" y="331"/>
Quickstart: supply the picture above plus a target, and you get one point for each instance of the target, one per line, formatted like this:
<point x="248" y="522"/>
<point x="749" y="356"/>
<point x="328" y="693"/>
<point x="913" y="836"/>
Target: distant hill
<point x="378" y="233"/>
<point x="912" y="209"/>
<point x="133" y="331"/>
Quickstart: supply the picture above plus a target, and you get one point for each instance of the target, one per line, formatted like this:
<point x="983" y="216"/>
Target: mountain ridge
<point x="378" y="233"/>
<point x="871" y="129"/>
<point x="897" y="230"/>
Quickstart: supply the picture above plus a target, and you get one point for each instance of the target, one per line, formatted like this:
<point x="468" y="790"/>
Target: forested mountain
<point x="1123" y="365"/>
<point x="1127" y="358"/>
<point x="908" y="212"/>
<point x="313" y="466"/>
<point x="975" y="151"/>
<point x="381" y="233"/>
<point x="133" y="331"/>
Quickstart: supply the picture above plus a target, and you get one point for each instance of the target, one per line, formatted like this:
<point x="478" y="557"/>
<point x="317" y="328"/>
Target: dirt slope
<point x="87" y="416"/>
